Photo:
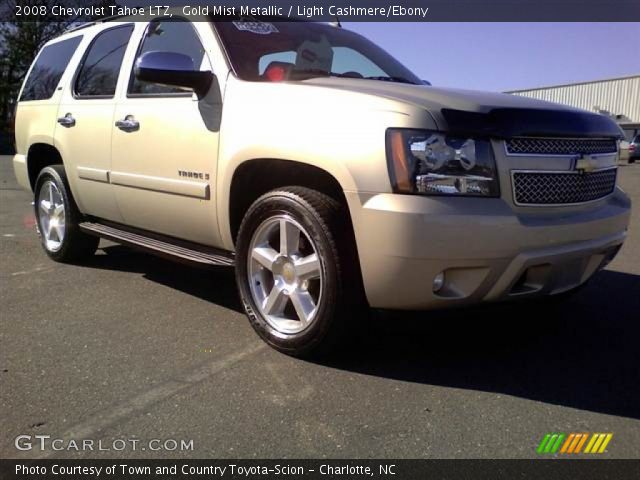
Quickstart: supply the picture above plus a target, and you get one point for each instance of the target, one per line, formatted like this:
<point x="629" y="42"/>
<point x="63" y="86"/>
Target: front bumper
<point x="487" y="251"/>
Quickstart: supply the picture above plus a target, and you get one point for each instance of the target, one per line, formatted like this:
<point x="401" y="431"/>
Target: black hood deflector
<point x="530" y="122"/>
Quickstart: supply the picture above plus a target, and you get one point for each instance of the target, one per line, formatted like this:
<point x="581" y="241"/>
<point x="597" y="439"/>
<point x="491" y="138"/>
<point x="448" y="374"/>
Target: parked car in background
<point x="333" y="179"/>
<point x="634" y="149"/>
<point x="624" y="151"/>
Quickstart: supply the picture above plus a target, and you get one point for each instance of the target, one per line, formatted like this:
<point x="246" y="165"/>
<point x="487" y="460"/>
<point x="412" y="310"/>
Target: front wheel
<point x="57" y="216"/>
<point x="293" y="270"/>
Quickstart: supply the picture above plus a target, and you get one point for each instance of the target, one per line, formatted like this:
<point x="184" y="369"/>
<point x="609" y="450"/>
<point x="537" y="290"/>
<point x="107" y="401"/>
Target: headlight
<point x="433" y="163"/>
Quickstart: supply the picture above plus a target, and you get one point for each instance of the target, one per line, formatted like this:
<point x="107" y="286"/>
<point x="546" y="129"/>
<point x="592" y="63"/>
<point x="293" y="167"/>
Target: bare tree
<point x="20" y="42"/>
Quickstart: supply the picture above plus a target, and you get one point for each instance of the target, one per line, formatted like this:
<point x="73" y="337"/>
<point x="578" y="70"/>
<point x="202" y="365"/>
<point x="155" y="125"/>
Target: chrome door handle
<point x="67" y="121"/>
<point x="128" y="124"/>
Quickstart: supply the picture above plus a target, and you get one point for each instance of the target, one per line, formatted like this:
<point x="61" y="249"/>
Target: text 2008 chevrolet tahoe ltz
<point x="325" y="171"/>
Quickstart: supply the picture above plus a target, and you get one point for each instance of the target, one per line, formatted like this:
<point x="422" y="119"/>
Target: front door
<point x="165" y="146"/>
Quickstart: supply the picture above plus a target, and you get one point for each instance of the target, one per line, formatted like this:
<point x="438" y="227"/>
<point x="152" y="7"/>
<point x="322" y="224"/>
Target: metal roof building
<point x="617" y="97"/>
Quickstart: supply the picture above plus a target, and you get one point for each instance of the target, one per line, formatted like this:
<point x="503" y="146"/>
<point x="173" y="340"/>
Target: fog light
<point x="438" y="282"/>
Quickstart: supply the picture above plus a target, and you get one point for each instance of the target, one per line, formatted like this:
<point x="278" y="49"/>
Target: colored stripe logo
<point x="573" y="443"/>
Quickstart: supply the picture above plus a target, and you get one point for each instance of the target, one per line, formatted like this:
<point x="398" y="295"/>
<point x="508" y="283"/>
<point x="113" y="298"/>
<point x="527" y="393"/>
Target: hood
<point x="469" y="112"/>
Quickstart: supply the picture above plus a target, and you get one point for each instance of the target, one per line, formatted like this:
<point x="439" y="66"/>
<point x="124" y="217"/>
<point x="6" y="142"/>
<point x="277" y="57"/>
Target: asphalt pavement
<point x="132" y="347"/>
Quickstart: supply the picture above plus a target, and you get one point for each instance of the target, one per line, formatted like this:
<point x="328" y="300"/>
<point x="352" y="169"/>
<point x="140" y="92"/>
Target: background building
<point x="617" y="97"/>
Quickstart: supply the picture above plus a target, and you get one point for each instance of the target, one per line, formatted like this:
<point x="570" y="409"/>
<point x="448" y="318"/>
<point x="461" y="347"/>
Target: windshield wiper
<point x="392" y="79"/>
<point x="316" y="72"/>
<point x="312" y="72"/>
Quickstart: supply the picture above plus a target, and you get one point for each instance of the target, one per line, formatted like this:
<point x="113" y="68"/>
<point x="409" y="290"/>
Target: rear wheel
<point x="293" y="271"/>
<point x="58" y="217"/>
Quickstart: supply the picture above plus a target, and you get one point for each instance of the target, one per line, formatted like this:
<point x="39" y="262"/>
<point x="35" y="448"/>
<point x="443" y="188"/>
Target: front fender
<point x="342" y="133"/>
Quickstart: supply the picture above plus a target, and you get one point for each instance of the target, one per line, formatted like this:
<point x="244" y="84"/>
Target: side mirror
<point x="175" y="69"/>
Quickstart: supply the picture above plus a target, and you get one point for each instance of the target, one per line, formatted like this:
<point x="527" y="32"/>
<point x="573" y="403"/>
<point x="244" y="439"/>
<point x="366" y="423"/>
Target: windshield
<point x="274" y="51"/>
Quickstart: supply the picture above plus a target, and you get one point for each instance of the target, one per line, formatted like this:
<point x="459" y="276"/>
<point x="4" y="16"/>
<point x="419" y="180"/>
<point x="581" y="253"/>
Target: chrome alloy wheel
<point x="285" y="274"/>
<point x="51" y="216"/>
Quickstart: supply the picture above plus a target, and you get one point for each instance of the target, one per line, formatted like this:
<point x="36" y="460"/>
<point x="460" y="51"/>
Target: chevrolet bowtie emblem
<point x="586" y="164"/>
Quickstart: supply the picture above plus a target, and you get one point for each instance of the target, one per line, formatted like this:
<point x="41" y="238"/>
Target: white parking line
<point x="35" y="270"/>
<point x="102" y="420"/>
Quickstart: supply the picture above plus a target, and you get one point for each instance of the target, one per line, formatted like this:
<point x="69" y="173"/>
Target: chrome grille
<point x="560" y="146"/>
<point x="562" y="188"/>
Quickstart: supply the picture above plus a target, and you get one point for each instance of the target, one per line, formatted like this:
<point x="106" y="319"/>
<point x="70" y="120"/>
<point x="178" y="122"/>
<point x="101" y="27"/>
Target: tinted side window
<point x="98" y="74"/>
<point x="169" y="36"/>
<point x="48" y="69"/>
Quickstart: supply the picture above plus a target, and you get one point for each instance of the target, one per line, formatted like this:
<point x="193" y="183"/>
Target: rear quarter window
<point x="48" y="69"/>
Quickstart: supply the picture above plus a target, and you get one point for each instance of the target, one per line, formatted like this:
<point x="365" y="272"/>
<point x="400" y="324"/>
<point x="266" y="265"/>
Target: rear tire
<point x="295" y="271"/>
<point x="58" y="218"/>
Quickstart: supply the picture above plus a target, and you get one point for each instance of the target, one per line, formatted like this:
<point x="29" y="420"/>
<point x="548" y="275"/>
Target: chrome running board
<point x="160" y="245"/>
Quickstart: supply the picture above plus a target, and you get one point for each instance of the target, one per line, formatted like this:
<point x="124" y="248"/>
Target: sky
<point x="508" y="56"/>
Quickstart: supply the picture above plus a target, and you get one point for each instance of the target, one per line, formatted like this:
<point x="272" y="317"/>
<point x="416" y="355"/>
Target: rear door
<point x="37" y="108"/>
<point x="85" y="121"/>
<point x="164" y="168"/>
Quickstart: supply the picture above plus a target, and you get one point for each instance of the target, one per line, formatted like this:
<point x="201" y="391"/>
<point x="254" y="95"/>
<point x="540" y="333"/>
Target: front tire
<point x="293" y="270"/>
<point x="58" y="218"/>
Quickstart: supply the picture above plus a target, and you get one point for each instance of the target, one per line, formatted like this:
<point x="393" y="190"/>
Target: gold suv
<point x="325" y="171"/>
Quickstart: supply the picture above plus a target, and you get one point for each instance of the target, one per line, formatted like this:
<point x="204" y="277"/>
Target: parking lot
<point x="129" y="346"/>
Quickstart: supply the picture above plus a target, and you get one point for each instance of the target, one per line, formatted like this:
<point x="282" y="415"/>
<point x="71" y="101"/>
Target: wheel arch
<point x="255" y="177"/>
<point x="40" y="155"/>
